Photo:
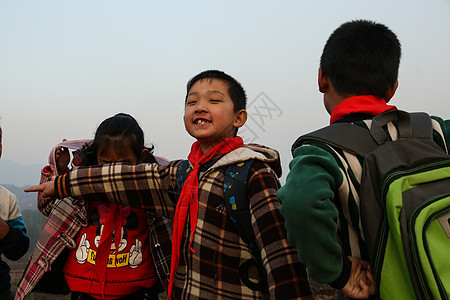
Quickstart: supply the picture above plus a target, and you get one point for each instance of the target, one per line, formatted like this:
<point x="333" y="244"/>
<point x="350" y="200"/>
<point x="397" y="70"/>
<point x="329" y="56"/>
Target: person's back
<point x="320" y="200"/>
<point x="14" y="242"/>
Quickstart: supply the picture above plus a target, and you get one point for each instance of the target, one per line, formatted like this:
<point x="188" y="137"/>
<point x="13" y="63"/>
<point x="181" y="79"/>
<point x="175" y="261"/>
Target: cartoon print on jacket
<point x="129" y="222"/>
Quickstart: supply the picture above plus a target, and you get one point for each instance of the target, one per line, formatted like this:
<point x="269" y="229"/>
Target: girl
<point x="105" y="251"/>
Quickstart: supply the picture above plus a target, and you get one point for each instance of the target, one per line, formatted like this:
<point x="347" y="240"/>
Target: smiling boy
<point x="209" y="258"/>
<point x="210" y="114"/>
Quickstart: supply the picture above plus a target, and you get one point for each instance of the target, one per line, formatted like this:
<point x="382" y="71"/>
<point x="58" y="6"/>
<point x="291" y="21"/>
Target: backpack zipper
<point x="384" y="227"/>
<point x="418" y="268"/>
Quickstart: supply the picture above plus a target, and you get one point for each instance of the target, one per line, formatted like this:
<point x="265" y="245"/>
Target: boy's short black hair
<point x="235" y="89"/>
<point x="361" y="57"/>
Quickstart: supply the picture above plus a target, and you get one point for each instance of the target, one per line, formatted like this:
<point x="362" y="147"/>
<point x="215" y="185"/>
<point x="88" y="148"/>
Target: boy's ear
<point x="390" y="93"/>
<point x="240" y="119"/>
<point x="323" y="81"/>
<point x="145" y="152"/>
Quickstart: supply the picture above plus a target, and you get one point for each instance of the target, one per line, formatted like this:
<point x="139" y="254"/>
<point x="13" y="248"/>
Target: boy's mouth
<point x="201" y="121"/>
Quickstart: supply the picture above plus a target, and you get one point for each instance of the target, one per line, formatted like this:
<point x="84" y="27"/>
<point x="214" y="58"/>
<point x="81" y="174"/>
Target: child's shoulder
<point x="255" y="152"/>
<point x="6" y="194"/>
<point x="263" y="159"/>
<point x="267" y="159"/>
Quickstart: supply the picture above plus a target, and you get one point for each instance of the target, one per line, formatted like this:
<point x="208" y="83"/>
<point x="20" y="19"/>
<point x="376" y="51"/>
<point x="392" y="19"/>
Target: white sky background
<point x="67" y="65"/>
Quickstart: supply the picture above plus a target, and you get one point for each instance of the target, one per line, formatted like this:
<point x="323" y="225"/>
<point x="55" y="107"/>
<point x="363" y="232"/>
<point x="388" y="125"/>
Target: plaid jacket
<point x="63" y="224"/>
<point x="212" y="271"/>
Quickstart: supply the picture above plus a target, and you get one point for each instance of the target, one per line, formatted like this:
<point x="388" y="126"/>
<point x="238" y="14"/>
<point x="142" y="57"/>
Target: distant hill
<point x="19" y="175"/>
<point x="26" y="200"/>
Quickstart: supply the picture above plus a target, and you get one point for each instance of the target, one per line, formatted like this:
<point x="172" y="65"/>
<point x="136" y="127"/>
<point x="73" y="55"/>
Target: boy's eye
<point x="191" y="102"/>
<point x="214" y="100"/>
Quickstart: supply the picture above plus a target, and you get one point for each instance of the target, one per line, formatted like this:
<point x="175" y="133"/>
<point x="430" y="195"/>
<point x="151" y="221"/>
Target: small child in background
<point x="14" y="241"/>
<point x="104" y="251"/>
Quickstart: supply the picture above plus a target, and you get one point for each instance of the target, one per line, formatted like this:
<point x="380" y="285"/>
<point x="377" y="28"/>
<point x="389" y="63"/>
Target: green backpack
<point x="238" y="210"/>
<point x="404" y="202"/>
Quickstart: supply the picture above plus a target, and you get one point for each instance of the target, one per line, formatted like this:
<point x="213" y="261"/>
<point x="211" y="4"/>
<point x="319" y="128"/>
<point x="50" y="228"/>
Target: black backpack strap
<point x="421" y="125"/>
<point x="238" y="210"/>
<point x="351" y="138"/>
<point x="417" y="125"/>
<point x="236" y="199"/>
<point x="357" y="140"/>
<point x="184" y="168"/>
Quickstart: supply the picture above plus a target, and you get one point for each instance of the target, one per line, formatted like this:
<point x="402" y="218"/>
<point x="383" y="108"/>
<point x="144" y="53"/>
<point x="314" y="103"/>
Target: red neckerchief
<point x="189" y="198"/>
<point x="366" y="104"/>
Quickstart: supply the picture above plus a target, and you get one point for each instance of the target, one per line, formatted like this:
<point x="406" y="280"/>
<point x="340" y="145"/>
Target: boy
<point x="209" y="259"/>
<point x="14" y="241"/>
<point x="320" y="200"/>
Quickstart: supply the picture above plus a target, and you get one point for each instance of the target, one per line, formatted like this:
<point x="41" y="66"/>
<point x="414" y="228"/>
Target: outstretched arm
<point x="47" y="189"/>
<point x="142" y="186"/>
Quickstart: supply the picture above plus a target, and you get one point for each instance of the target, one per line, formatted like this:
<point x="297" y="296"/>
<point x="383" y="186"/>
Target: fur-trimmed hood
<point x="252" y="151"/>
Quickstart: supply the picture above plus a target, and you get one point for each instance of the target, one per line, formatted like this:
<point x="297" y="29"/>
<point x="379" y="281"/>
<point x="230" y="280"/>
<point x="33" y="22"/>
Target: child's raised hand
<point x="47" y="190"/>
<point x="62" y="157"/>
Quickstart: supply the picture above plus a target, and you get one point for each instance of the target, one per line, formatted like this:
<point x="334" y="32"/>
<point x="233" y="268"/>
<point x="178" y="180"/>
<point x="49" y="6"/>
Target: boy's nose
<point x="201" y="107"/>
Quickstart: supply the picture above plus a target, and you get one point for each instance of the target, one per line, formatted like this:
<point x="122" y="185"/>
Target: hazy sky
<point x="67" y="65"/>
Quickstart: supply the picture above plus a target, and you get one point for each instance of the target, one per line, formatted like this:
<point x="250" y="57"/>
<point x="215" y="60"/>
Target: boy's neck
<point x="205" y="146"/>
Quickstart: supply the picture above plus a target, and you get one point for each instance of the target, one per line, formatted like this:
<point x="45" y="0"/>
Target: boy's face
<point x="209" y="114"/>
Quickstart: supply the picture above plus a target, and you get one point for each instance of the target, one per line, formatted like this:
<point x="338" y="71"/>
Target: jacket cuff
<point x="342" y="280"/>
<point x="62" y="186"/>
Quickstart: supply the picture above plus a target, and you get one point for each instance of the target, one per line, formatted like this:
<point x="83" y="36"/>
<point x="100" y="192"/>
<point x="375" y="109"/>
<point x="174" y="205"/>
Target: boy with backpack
<point x="326" y="201"/>
<point x="210" y="257"/>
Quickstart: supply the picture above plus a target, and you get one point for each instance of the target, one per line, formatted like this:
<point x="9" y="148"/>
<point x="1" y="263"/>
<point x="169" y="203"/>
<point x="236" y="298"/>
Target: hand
<point x="47" y="190"/>
<point x="62" y="157"/>
<point x="361" y="283"/>
<point x="370" y="280"/>
<point x="4" y="229"/>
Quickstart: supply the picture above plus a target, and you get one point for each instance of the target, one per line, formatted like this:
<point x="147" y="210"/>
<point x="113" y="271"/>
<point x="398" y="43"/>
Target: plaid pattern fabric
<point x="160" y="238"/>
<point x="63" y="224"/>
<point x="58" y="233"/>
<point x="212" y="271"/>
